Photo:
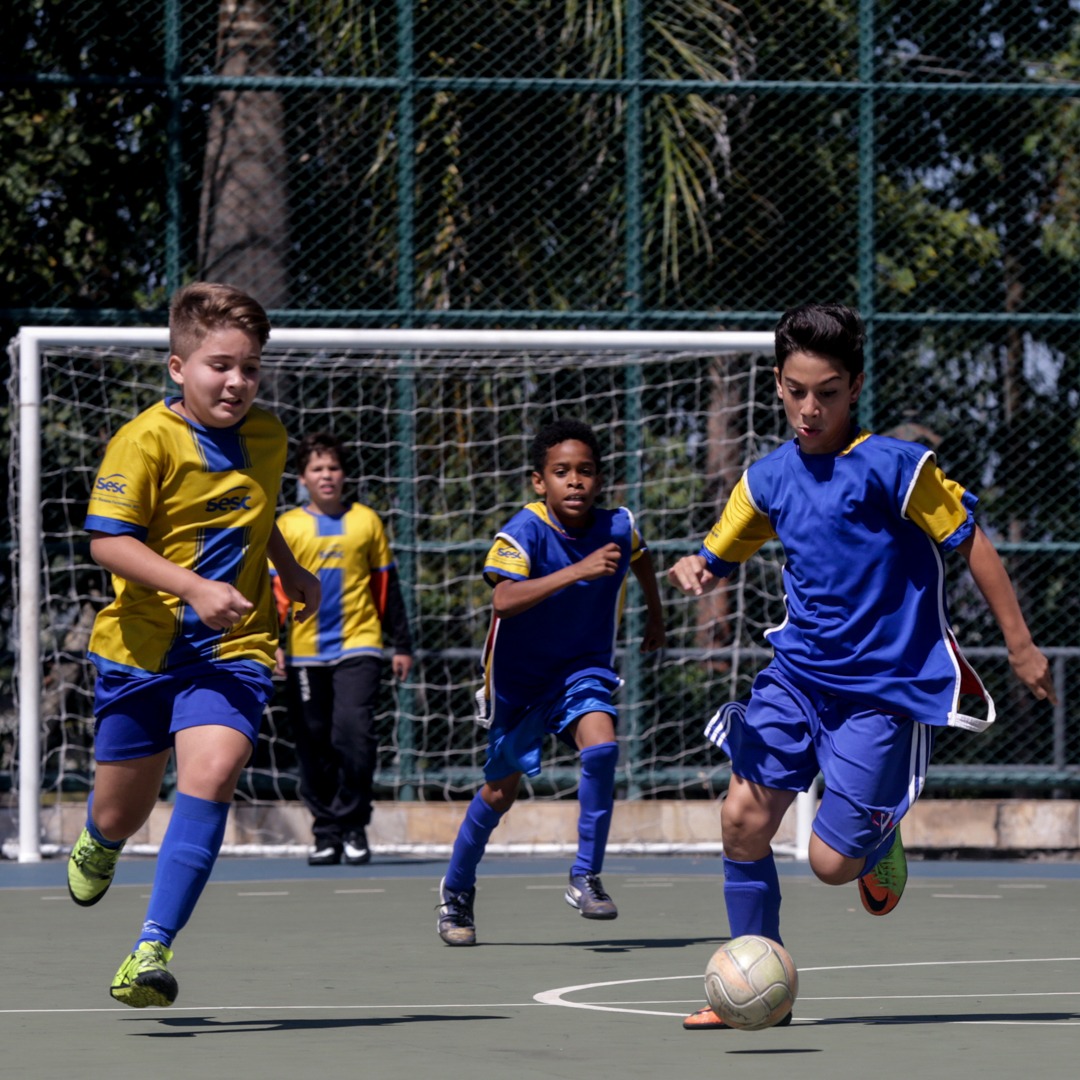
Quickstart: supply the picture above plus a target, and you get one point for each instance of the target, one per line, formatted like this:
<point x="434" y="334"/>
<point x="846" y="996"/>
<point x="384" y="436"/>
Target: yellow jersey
<point x="205" y="499"/>
<point x="350" y="555"/>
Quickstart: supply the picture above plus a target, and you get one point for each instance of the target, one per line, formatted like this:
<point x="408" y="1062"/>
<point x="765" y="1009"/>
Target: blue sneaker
<point x="586" y="893"/>
<point x="456" y="924"/>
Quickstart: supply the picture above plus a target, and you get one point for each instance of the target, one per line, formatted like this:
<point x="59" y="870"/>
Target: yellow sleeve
<point x="126" y="489"/>
<point x="505" y="559"/>
<point x="939" y="506"/>
<point x="741" y="530"/>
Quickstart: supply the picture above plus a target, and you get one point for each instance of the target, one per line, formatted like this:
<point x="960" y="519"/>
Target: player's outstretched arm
<point x="299" y="585"/>
<point x="1025" y="657"/>
<point x="690" y="577"/>
<point x="511" y="597"/>
<point x="218" y="604"/>
<point x="655" y="635"/>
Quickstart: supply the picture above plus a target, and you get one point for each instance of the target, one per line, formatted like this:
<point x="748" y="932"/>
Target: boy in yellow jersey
<point x="182" y="515"/>
<point x="334" y="663"/>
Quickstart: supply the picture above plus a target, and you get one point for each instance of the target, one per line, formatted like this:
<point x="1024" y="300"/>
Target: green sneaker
<point x="90" y="869"/>
<point x="881" y="889"/>
<point x="143" y="979"/>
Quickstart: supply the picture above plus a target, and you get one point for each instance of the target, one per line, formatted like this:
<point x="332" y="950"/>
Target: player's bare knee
<point x="500" y="794"/>
<point x="116" y="823"/>
<point x="746" y="838"/>
<point x="830" y="866"/>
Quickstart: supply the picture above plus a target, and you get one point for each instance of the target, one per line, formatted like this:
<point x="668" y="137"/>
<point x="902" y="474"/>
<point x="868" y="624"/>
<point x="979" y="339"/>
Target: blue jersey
<point x="539" y="652"/>
<point x="863" y="533"/>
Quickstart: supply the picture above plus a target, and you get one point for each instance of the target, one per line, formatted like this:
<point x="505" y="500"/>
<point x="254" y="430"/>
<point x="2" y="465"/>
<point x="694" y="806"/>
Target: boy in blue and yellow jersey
<point x="558" y="570"/>
<point x="333" y="664"/>
<point x="182" y="515"/>
<point x="866" y="668"/>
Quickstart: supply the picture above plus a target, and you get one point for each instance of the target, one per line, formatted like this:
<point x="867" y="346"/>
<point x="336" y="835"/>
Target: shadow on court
<point x="193" y="1027"/>
<point x="608" y="946"/>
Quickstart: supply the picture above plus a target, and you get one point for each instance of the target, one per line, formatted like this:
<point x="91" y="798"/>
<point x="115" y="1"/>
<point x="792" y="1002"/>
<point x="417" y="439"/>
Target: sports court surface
<point x="287" y="971"/>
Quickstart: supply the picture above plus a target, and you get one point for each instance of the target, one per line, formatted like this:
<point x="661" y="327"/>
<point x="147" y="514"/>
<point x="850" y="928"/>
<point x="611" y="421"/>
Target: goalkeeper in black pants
<point x="334" y="665"/>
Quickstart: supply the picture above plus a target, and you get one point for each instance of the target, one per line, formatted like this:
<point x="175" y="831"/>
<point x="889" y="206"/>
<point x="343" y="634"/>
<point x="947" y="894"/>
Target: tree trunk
<point x="724" y="431"/>
<point x="243" y="206"/>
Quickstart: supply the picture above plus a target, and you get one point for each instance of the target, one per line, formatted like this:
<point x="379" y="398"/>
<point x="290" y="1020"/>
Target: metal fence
<point x="620" y="163"/>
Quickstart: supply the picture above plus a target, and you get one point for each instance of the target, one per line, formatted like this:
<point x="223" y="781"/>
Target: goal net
<point x="439" y="424"/>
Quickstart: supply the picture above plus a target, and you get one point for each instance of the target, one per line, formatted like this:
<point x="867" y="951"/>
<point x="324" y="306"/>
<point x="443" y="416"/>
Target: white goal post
<point x="28" y="349"/>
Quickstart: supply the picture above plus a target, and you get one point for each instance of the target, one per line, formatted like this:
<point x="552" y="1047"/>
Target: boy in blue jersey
<point x="182" y="514"/>
<point x="865" y="668"/>
<point x="558" y="571"/>
<point x="333" y="664"/>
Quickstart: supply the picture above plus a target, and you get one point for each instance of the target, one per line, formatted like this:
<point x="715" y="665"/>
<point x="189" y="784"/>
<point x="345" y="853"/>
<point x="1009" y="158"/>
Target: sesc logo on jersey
<point x="237" y="498"/>
<point x="115" y="483"/>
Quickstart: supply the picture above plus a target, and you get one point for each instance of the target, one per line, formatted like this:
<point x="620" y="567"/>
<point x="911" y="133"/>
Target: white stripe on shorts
<point x="716" y="730"/>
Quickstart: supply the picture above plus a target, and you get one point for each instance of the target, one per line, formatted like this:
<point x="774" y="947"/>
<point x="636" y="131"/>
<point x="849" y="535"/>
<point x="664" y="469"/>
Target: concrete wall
<point x="992" y="826"/>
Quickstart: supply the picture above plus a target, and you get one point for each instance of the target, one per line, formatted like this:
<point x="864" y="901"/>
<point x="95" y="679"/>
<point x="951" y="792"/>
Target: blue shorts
<point x="873" y="763"/>
<point x="138" y="715"/>
<point x="518" y="744"/>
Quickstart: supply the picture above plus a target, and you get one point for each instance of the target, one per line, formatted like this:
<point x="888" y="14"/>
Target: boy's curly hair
<point x="558" y="432"/>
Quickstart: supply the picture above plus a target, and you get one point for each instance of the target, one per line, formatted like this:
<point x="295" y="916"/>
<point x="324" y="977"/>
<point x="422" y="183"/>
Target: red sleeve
<point x="281" y="601"/>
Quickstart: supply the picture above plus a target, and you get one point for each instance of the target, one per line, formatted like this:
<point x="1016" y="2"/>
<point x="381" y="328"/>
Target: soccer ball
<point x="751" y="982"/>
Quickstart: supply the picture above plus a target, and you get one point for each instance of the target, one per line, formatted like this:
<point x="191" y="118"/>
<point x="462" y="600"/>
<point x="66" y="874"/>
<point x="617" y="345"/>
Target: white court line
<point x="342" y="892"/>
<point x="557" y="996"/>
<point x="964" y="896"/>
<point x="283" y="892"/>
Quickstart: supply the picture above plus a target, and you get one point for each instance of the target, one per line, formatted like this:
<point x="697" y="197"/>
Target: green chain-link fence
<point x="619" y="163"/>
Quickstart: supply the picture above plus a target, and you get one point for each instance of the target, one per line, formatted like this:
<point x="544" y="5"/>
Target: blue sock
<point x="596" y="800"/>
<point x="752" y="897"/>
<point x="92" y="829"/>
<point x="473" y="835"/>
<point x="188" y="852"/>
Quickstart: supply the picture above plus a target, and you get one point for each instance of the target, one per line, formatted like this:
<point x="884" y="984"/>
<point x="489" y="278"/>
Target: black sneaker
<point x="357" y="851"/>
<point x="456" y="925"/>
<point x="586" y="893"/>
<point x="325" y="855"/>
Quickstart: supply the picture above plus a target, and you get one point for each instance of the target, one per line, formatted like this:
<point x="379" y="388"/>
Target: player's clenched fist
<point x="603" y="562"/>
<point x="689" y="576"/>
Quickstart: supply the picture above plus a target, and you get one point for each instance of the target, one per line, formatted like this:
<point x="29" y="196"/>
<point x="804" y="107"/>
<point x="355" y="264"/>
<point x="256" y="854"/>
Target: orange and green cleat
<point x="881" y="889"/>
<point x="706" y="1020"/>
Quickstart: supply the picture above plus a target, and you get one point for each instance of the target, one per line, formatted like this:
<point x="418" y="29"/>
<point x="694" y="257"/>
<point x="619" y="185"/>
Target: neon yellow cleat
<point x="90" y="869"/>
<point x="143" y="979"/>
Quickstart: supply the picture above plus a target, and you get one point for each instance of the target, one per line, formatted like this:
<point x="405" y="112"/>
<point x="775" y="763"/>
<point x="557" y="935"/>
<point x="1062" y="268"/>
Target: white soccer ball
<point x="751" y="982"/>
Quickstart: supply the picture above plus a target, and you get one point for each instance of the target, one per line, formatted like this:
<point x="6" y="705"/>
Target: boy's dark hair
<point x="321" y="442"/>
<point x="204" y="306"/>
<point x="558" y="431"/>
<point x="830" y="330"/>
